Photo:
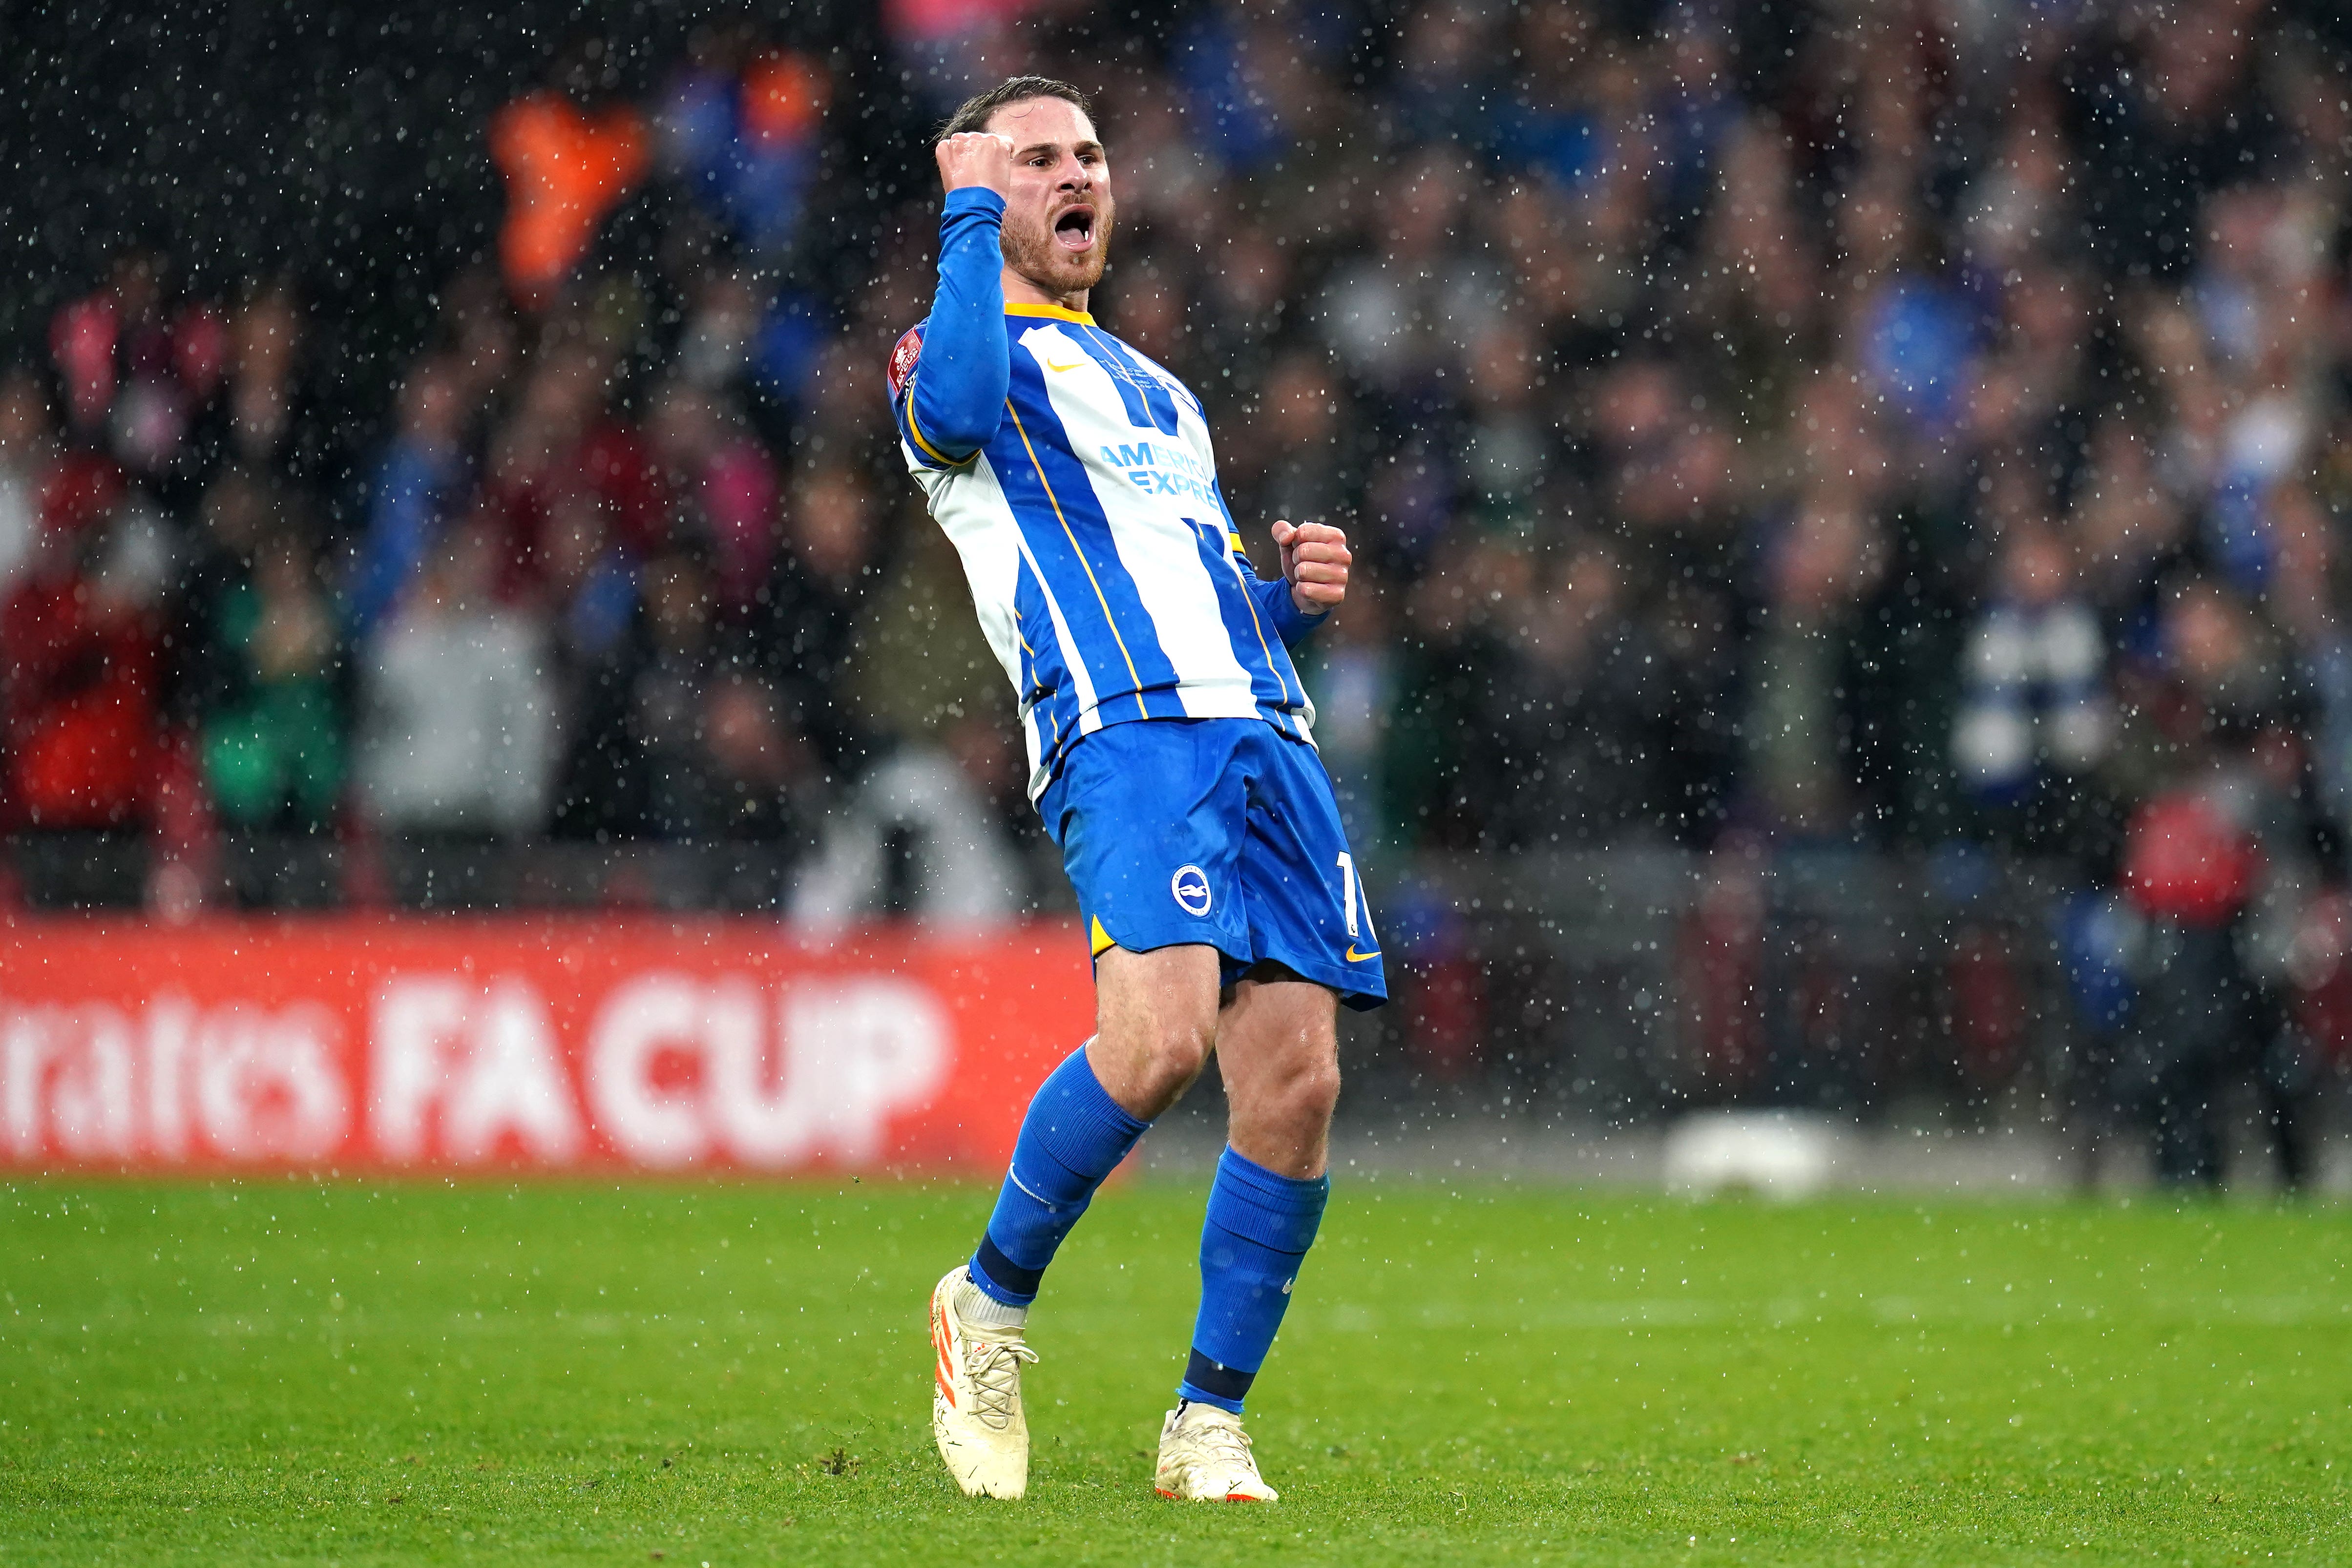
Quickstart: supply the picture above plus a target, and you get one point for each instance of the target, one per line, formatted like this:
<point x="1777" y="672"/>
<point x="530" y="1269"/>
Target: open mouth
<point x="1075" y="229"/>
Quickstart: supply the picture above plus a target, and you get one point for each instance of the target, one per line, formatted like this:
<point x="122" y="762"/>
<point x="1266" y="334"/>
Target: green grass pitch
<point x="284" y="1371"/>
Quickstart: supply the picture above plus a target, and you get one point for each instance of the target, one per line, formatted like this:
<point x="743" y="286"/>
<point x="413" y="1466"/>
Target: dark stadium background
<point x="1687" y="920"/>
<point x="344" y="144"/>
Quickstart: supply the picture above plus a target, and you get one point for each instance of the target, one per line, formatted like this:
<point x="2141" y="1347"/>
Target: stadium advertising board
<point x="387" y="1044"/>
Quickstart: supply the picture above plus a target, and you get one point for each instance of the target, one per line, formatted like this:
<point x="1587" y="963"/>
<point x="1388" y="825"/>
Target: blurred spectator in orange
<point x="569" y="158"/>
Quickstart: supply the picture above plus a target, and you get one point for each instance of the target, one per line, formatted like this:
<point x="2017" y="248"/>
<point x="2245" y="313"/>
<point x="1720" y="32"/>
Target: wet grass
<point x="285" y="1371"/>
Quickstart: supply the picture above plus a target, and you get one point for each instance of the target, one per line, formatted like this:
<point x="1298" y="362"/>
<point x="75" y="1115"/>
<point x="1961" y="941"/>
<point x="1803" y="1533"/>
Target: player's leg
<point x="1277" y="1050"/>
<point x="1156" y="1015"/>
<point x="1135" y="813"/>
<point x="1155" y="1022"/>
<point x="1279" y="1056"/>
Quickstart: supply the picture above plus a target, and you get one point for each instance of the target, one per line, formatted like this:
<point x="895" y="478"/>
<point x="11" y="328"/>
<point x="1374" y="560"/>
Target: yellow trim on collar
<point x="1051" y="312"/>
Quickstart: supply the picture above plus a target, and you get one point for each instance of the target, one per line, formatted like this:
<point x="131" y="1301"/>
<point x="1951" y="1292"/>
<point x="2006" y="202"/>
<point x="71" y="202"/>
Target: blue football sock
<point x="1074" y="1135"/>
<point x="1259" y="1227"/>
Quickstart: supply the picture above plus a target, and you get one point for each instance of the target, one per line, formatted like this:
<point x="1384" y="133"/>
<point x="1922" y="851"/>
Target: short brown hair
<point x="975" y="110"/>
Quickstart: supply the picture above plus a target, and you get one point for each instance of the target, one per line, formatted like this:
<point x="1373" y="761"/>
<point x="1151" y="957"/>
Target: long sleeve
<point x="1290" y="624"/>
<point x="1274" y="605"/>
<point x="952" y="395"/>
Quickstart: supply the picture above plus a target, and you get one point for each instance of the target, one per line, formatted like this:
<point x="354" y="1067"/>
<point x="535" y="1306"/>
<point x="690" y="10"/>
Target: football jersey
<point x="1104" y="565"/>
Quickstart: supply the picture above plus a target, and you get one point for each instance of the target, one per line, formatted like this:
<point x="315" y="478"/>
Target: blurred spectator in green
<point x="271" y="732"/>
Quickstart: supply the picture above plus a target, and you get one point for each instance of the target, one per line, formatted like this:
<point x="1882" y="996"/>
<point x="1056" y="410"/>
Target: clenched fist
<point x="1314" y="563"/>
<point x="979" y="157"/>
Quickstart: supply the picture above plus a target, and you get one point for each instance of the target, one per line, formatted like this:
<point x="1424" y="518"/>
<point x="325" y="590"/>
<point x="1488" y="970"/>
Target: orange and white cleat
<point x="976" y="1413"/>
<point x="1204" y="1457"/>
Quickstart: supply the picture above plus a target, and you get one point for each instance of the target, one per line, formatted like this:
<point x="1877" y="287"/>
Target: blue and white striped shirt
<point x="1076" y="480"/>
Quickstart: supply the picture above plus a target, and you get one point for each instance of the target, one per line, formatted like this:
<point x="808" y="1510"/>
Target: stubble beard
<point x="1030" y="251"/>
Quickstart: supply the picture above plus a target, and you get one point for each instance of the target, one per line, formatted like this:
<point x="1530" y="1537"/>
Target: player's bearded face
<point x="1058" y="214"/>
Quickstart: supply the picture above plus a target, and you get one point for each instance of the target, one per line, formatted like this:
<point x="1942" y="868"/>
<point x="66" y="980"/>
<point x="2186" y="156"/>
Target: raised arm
<point x="952" y="396"/>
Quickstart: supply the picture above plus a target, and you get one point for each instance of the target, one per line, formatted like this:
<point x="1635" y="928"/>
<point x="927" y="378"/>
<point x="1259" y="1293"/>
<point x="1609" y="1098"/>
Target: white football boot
<point x="1204" y="1457"/>
<point x="976" y="1404"/>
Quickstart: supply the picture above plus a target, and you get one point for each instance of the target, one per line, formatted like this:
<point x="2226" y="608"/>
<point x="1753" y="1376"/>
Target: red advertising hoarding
<point x="370" y="1044"/>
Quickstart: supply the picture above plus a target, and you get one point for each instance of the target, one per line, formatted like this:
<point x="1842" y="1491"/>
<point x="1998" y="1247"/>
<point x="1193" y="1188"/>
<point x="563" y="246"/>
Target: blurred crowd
<point x="1918" y="426"/>
<point x="595" y="576"/>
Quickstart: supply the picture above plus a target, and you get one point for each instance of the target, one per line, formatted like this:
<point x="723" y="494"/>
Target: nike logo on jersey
<point x="1073" y="365"/>
<point x="1355" y="957"/>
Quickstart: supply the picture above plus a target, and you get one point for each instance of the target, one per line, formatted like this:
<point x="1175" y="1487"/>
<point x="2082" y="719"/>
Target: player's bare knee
<point x="1152" y="1057"/>
<point x="1311" y="1095"/>
<point x="1292" y="1107"/>
<point x="1179" y="1053"/>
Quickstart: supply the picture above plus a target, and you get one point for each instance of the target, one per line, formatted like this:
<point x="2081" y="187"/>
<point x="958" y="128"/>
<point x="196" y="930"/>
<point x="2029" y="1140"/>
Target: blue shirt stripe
<point x="1062" y="523"/>
<point x="1047" y="692"/>
<point x="1254" y="647"/>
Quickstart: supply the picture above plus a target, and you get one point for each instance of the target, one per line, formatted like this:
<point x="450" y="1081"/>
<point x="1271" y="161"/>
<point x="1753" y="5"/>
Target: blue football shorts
<point x="1222" y="832"/>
